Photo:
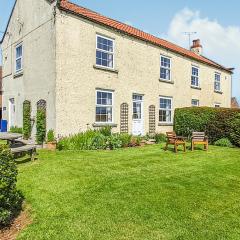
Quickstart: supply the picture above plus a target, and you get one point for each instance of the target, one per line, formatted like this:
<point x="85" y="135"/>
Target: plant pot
<point x="52" y="146"/>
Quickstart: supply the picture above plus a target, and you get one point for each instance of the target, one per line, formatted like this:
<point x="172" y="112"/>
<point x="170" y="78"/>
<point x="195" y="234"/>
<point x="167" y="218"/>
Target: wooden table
<point x="10" y="137"/>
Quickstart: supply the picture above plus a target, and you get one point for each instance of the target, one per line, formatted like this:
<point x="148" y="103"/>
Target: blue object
<point x="3" y="125"/>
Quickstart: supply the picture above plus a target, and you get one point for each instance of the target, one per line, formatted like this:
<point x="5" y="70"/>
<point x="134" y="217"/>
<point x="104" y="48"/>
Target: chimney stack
<point x="196" y="47"/>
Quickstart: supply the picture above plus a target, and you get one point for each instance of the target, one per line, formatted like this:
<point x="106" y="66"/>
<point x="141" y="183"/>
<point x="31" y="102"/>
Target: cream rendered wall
<point x="138" y="65"/>
<point x="37" y="81"/>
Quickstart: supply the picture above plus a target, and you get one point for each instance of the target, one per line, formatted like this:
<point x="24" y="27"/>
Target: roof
<point x="134" y="32"/>
<point x="234" y="103"/>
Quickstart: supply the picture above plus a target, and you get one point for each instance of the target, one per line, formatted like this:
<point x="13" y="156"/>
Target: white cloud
<point x="220" y="43"/>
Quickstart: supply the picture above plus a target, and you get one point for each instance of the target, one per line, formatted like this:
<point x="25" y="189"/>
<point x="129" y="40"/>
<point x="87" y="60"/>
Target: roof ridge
<point x="135" y="32"/>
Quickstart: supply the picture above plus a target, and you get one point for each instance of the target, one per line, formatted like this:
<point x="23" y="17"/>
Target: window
<point x="104" y="107"/>
<point x="165" y="110"/>
<point x="19" y="56"/>
<point x="217" y="82"/>
<point x="217" y="105"/>
<point x="195" y="103"/>
<point x="105" y="52"/>
<point x="195" y="77"/>
<point x="137" y="106"/>
<point x="165" y="70"/>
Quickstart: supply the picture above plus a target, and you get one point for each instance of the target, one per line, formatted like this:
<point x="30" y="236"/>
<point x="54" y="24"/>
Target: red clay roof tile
<point x="98" y="18"/>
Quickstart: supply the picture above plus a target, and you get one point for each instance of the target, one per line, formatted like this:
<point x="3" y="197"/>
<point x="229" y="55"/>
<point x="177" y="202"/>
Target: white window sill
<point x="18" y="74"/>
<point x="166" y="81"/>
<point x="196" y="87"/>
<point x="165" y="124"/>
<point x="104" y="124"/>
<point x="105" y="69"/>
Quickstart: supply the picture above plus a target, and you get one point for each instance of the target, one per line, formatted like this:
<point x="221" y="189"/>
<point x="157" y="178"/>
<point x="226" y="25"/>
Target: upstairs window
<point x="165" y="70"/>
<point x="217" y="82"/>
<point x="105" y="52"/>
<point x="195" y="77"/>
<point x="195" y="103"/>
<point x="19" y="58"/>
<point x="165" y="110"/>
<point x="104" y="107"/>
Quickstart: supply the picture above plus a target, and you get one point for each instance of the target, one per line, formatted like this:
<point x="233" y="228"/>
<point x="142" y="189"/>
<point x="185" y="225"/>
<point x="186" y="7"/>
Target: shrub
<point x="50" y="136"/>
<point x="16" y="130"/>
<point x="106" y="131"/>
<point x="216" y="122"/>
<point x="223" y="142"/>
<point x="160" y="137"/>
<point x="114" y="141"/>
<point x="10" y="198"/>
<point x="27" y="120"/>
<point x="41" y="125"/>
<point x="135" y="141"/>
<point x="126" y="139"/>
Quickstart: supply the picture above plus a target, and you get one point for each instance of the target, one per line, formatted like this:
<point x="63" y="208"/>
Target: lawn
<point x="139" y="193"/>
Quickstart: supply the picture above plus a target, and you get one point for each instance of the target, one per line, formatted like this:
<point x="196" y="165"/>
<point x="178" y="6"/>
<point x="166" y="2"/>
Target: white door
<point x="12" y="110"/>
<point x="138" y="127"/>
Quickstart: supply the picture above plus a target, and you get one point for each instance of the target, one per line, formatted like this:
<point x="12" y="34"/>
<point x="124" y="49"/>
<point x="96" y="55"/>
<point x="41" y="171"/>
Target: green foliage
<point x="16" y="130"/>
<point x="93" y="140"/>
<point x="41" y="125"/>
<point x="223" y="142"/>
<point x="27" y="120"/>
<point x="50" y="136"/>
<point x="135" y="141"/>
<point x="216" y="122"/>
<point x="106" y="131"/>
<point x="10" y="198"/>
<point x="160" y="137"/>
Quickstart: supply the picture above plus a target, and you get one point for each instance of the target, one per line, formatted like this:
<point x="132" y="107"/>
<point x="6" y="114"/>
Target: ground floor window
<point x="104" y="106"/>
<point x="195" y="103"/>
<point x="165" y="110"/>
<point x="217" y="105"/>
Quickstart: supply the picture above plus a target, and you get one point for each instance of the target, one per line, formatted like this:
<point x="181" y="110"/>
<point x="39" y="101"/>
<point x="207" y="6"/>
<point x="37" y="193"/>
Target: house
<point x="234" y="103"/>
<point x="93" y="71"/>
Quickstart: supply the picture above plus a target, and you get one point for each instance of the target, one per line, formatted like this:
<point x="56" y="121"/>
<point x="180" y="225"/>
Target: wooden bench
<point x="199" y="138"/>
<point x="30" y="149"/>
<point x="173" y="139"/>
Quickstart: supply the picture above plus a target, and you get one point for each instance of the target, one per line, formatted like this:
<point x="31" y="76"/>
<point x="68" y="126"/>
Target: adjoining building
<point x="93" y="71"/>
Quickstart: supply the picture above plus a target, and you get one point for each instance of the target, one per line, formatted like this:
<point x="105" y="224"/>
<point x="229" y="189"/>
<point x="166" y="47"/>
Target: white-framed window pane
<point x="195" y="102"/>
<point x="18" y="64"/>
<point x="19" y="54"/>
<point x="165" y="69"/>
<point x="195" y="77"/>
<point x="217" y="82"/>
<point x="104" y="52"/>
<point x="104" y="107"/>
<point x="165" y="110"/>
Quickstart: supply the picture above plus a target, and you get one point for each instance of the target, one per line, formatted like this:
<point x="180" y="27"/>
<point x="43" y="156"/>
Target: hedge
<point x="27" y="119"/>
<point x="10" y="198"/>
<point x="218" y="123"/>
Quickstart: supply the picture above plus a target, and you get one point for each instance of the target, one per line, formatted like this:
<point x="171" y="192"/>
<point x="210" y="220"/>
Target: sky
<point x="216" y="22"/>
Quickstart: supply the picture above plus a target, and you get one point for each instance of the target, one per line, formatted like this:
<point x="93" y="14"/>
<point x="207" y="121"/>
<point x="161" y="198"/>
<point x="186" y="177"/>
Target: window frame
<point x="217" y="81"/>
<point x="198" y="102"/>
<point x="198" y="76"/>
<point x="217" y="105"/>
<point x="164" y="109"/>
<point x="101" y="105"/>
<point x="101" y="50"/>
<point x="18" y="58"/>
<point x="166" y="68"/>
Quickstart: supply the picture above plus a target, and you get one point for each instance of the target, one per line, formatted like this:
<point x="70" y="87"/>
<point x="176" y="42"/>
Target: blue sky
<point x="217" y="23"/>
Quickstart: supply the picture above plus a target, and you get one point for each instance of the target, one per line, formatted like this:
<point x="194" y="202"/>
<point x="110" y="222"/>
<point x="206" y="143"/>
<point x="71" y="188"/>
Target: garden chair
<point x="173" y="139"/>
<point x="199" y="138"/>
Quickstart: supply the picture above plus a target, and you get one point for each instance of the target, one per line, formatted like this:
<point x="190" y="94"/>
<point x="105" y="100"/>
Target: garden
<point x="104" y="185"/>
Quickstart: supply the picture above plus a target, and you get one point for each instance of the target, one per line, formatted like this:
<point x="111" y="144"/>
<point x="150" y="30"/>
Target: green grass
<point x="142" y="193"/>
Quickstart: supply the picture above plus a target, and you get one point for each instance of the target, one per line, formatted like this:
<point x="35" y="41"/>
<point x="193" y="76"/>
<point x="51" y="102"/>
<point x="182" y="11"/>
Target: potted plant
<point x="51" y="141"/>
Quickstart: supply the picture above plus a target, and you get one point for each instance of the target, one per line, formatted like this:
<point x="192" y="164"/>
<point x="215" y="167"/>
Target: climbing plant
<point x="26" y="119"/>
<point x="41" y="121"/>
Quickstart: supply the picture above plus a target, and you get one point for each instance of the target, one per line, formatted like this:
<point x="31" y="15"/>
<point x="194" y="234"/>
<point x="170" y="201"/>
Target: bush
<point x="160" y="137"/>
<point x="114" y="141"/>
<point x="41" y="125"/>
<point x="216" y="122"/>
<point x="27" y="120"/>
<point x="223" y="142"/>
<point x="126" y="139"/>
<point x="10" y="198"/>
<point x="50" y="136"/>
<point x="16" y="130"/>
<point x="106" y="131"/>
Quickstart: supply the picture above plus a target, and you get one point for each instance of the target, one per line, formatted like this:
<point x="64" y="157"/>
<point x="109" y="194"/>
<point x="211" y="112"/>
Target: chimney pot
<point x="196" y="47"/>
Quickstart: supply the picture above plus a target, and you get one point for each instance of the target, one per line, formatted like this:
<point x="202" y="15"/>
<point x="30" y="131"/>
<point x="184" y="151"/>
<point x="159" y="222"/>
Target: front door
<point x="11" y="120"/>
<point x="137" y="128"/>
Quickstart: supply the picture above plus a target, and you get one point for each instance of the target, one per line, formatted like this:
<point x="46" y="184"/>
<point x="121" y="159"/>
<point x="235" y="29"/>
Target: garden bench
<point x="199" y="138"/>
<point x="30" y="149"/>
<point x="173" y="139"/>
